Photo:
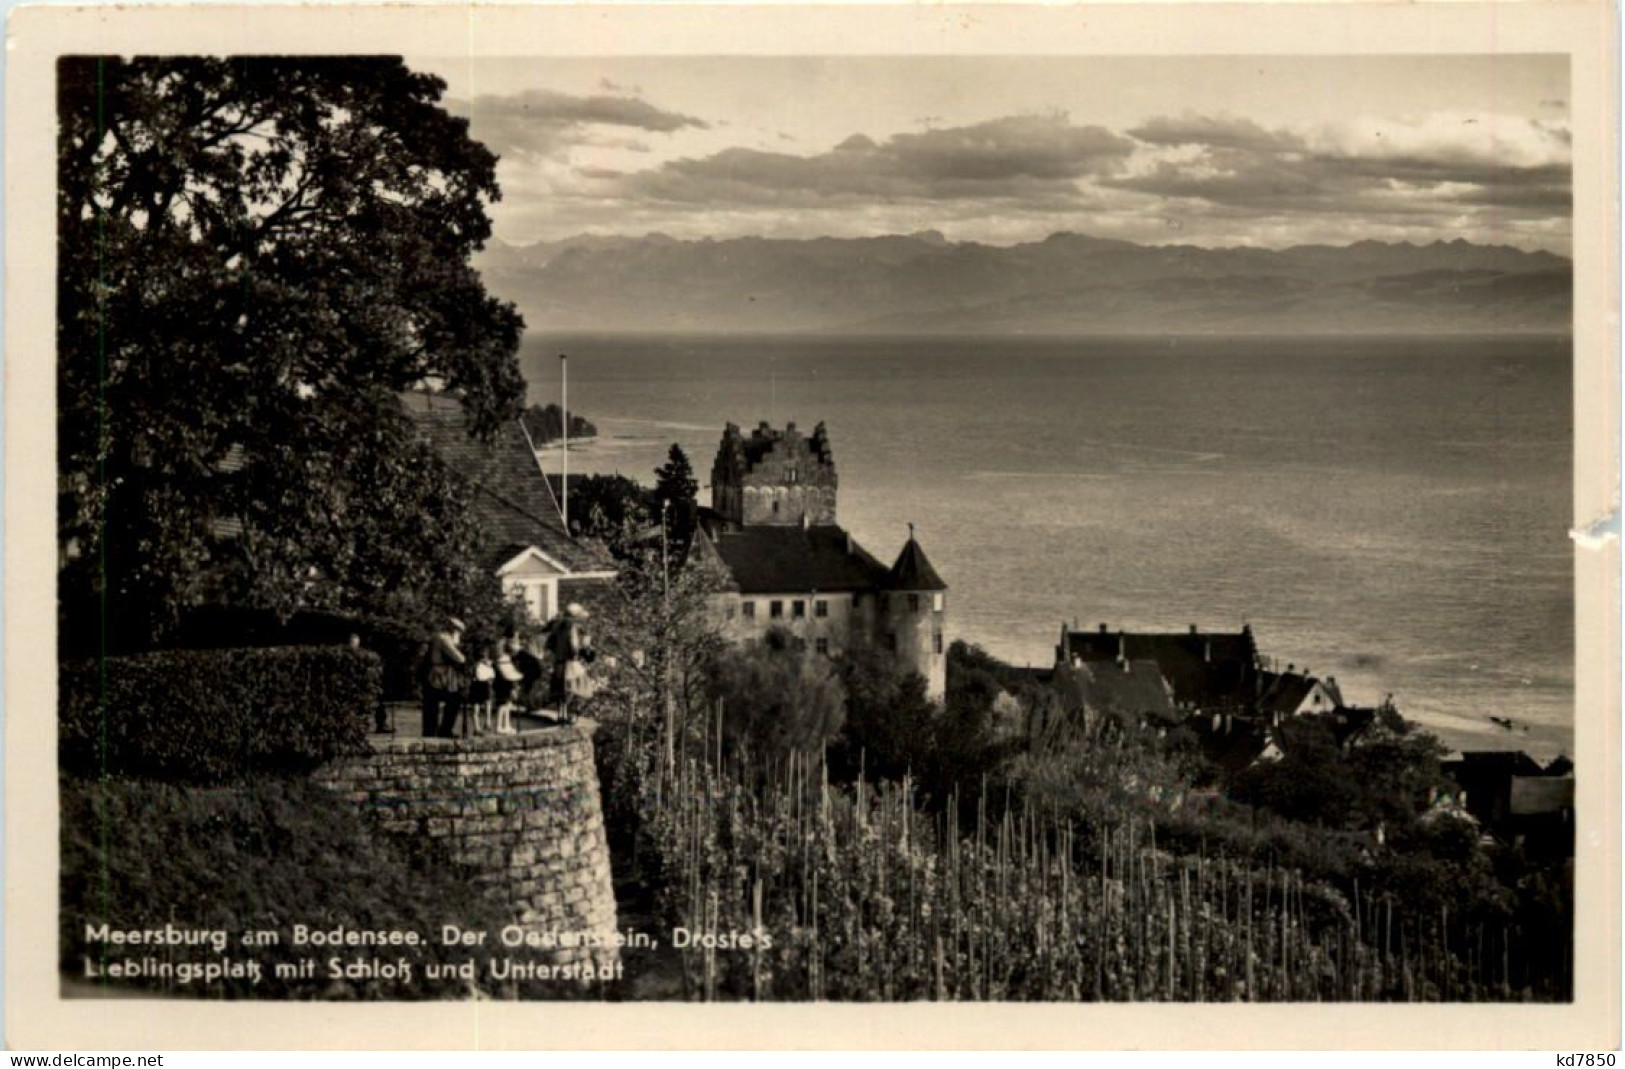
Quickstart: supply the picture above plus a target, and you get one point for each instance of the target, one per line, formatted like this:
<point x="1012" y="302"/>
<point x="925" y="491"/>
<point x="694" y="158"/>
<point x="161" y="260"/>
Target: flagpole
<point x="564" y="398"/>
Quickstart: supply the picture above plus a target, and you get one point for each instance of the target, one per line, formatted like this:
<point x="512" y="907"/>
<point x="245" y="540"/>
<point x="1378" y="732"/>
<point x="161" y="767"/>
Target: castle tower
<point x="774" y="478"/>
<point x="913" y="615"/>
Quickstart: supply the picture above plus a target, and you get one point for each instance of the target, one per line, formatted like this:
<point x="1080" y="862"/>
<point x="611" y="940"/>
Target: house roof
<point x="1503" y="762"/>
<point x="1135" y="688"/>
<point x="1204" y="669"/>
<point x="512" y="501"/>
<point x="764" y="560"/>
<point x="1283" y="692"/>
<point x="913" y="571"/>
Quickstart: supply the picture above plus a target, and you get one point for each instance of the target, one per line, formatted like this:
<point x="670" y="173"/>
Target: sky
<point x="1263" y="151"/>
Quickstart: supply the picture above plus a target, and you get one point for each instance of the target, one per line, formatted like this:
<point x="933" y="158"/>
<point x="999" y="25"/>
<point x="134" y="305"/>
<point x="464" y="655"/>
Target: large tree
<point x="256" y="256"/>
<point x="677" y="494"/>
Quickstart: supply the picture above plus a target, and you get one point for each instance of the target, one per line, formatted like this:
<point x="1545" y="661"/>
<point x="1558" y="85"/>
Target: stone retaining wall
<point x="522" y="810"/>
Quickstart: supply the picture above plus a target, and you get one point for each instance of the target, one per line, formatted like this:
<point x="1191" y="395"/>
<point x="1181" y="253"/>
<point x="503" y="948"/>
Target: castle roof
<point x="1205" y="669"/>
<point x="512" y="502"/>
<point x="913" y="571"/>
<point x="766" y="560"/>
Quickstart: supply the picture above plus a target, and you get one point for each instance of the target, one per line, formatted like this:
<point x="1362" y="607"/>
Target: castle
<point x="772" y="528"/>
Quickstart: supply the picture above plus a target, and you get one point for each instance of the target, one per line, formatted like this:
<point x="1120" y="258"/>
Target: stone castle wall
<point x="774" y="478"/>
<point x="522" y="810"/>
<point x="917" y="626"/>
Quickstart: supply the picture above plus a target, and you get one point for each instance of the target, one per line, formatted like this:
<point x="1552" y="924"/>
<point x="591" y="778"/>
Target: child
<point x="504" y="686"/>
<point x="479" y="695"/>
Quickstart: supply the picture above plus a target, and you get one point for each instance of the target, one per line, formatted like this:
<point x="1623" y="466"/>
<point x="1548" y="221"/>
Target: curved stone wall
<point x="522" y="810"/>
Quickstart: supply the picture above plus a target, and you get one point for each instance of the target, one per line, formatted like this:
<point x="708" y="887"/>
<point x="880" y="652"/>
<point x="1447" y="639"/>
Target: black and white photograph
<point x="725" y="527"/>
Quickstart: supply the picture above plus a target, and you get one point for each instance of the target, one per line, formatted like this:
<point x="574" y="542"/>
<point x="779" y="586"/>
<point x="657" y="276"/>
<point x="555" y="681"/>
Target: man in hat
<point x="443" y="687"/>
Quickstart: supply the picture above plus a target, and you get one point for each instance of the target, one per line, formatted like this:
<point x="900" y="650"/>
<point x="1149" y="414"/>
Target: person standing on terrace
<point x="444" y="684"/>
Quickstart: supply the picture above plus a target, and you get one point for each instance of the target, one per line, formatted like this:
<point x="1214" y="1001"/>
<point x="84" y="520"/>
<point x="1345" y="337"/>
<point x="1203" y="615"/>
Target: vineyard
<point x="866" y="895"/>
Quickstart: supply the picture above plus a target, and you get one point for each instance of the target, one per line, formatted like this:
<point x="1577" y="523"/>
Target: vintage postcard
<point x="522" y="521"/>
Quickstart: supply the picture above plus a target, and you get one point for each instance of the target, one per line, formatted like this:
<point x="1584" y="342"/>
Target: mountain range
<point x="1066" y="284"/>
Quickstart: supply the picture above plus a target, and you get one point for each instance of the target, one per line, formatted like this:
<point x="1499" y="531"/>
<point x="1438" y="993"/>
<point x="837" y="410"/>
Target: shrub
<point x="399" y="642"/>
<point x="212" y="716"/>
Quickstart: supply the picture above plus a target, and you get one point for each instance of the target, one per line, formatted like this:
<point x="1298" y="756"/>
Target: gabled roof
<point x="913" y="571"/>
<point x="766" y="560"/>
<point x="705" y="549"/>
<point x="512" y="501"/>
<point x="1497" y="762"/>
<point x="1134" y="688"/>
<point x="1283" y="692"/>
<point x="1205" y="669"/>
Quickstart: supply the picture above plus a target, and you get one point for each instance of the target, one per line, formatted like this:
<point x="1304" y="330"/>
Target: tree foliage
<point x="256" y="255"/>
<point x="677" y="492"/>
<point x="614" y="510"/>
<point x="660" y="636"/>
<point x="890" y="725"/>
<point x="1381" y="778"/>
<point x="546" y="424"/>
<point x="779" y="696"/>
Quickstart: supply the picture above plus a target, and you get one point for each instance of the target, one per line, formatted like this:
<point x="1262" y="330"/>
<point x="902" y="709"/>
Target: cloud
<point x="1040" y="157"/>
<point x="541" y="123"/>
<point x="1207" y="179"/>
<point x="1444" y="164"/>
<point x="1223" y="132"/>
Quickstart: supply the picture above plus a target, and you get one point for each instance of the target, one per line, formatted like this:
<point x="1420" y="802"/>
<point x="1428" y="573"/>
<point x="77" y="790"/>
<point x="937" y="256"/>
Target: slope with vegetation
<point x="888" y="848"/>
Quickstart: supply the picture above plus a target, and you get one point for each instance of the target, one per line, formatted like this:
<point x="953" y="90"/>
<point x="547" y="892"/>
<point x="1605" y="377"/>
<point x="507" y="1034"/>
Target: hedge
<point x="214" y="716"/>
<point x="398" y="642"/>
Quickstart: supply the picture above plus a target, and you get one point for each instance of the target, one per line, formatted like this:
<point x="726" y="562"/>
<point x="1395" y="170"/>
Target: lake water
<point x="1390" y="511"/>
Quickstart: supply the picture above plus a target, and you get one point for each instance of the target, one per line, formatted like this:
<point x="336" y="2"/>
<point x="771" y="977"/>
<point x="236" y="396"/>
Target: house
<point x="1486" y="776"/>
<point x="1517" y="800"/>
<point x="1541" y="814"/>
<point x="1294" y="693"/>
<point x="772" y="530"/>
<point x="1207" y="673"/>
<point x="527" y="545"/>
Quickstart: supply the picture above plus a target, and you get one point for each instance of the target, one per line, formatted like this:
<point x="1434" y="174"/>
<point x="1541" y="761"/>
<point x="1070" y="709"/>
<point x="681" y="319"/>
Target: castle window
<point x="822" y="646"/>
<point x="936" y="601"/>
<point x="750" y="610"/>
<point x="820" y="608"/>
<point x="914" y="603"/>
<point x="775" y="506"/>
<point x="798" y="609"/>
<point x="775" y="609"/>
<point x="936" y="641"/>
